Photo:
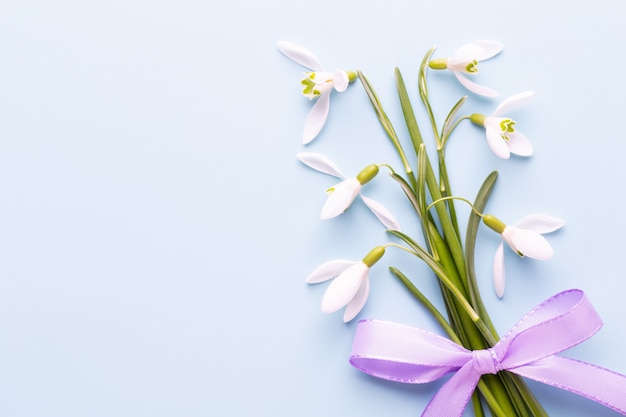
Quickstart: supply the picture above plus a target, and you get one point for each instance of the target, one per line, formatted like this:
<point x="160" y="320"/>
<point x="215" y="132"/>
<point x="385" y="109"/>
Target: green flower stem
<point x="484" y="389"/>
<point x="469" y="321"/>
<point x="519" y="386"/>
<point x="441" y="320"/>
<point x="423" y="90"/>
<point x="449" y="230"/>
<point x="529" y="398"/>
<point x="446" y="189"/>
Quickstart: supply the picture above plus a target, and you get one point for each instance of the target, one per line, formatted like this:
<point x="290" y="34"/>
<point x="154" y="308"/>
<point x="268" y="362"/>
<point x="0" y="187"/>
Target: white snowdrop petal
<point x="531" y="244"/>
<point x="328" y="270"/>
<point x="498" y="271"/>
<point x="464" y="55"/>
<point x="519" y="144"/>
<point x="340" y="198"/>
<point x="343" y="288"/>
<point x="540" y="223"/>
<point x="300" y="55"/>
<point x="317" y="118"/>
<point x="488" y="49"/>
<point x="382" y="213"/>
<point x="341" y="80"/>
<point x="355" y="305"/>
<point x="496" y="143"/>
<point x="481" y="90"/>
<point x="320" y="163"/>
<point x="513" y="102"/>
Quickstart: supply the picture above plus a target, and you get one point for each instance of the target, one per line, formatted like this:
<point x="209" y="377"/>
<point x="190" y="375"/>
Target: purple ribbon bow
<point x="407" y="354"/>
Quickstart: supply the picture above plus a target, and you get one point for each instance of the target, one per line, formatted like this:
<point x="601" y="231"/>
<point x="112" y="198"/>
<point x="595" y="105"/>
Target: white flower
<point x="341" y="196"/>
<point x="317" y="83"/>
<point x="502" y="137"/>
<point x="351" y="285"/>
<point x="524" y="238"/>
<point x="465" y="61"/>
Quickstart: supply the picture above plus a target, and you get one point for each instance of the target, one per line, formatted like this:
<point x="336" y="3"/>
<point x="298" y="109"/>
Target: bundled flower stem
<point x="468" y="321"/>
<point x="428" y="190"/>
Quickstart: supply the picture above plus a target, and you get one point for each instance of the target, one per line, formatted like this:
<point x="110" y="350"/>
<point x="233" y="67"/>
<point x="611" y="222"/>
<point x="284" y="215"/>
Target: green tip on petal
<point x="367" y="174"/>
<point x="494" y="223"/>
<point x="478" y="119"/>
<point x="472" y="67"/>
<point x="438" y="64"/>
<point x="507" y="126"/>
<point x="374" y="256"/>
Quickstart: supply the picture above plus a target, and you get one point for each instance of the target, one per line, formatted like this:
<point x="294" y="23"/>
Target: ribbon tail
<point x="598" y="384"/>
<point x="453" y="396"/>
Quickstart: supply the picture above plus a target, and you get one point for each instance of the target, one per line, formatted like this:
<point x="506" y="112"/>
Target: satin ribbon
<point x="407" y="354"/>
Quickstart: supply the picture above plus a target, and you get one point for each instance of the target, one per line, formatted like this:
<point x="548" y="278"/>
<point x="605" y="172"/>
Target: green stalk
<point x="441" y="320"/>
<point x="449" y="230"/>
<point x="516" y="386"/>
<point x="494" y="404"/>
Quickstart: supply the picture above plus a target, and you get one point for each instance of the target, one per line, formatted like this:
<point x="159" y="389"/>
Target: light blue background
<point x="156" y="227"/>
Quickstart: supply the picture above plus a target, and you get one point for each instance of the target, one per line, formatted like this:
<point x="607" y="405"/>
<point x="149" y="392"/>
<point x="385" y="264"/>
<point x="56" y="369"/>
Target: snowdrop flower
<point x="351" y="285"/>
<point x="524" y="238"/>
<point x="465" y="61"/>
<point x="341" y="195"/>
<point x="502" y="137"/>
<point x="318" y="84"/>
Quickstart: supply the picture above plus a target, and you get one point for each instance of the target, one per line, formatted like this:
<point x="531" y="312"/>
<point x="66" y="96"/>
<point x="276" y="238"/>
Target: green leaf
<point x="409" y="114"/>
<point x="385" y="122"/>
<point x="473" y="224"/>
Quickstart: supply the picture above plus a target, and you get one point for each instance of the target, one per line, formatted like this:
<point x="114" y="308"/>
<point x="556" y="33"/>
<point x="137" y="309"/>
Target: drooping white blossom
<point x="317" y="84"/>
<point x="524" y="238"/>
<point x="502" y="135"/>
<point x="350" y="287"/>
<point x="465" y="61"/>
<point x="341" y="195"/>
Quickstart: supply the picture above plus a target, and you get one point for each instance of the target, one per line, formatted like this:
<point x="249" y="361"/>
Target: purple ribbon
<point x="407" y="354"/>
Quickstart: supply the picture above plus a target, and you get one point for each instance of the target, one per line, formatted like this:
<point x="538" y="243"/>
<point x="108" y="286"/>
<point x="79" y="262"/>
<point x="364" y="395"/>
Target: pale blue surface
<point x="156" y="228"/>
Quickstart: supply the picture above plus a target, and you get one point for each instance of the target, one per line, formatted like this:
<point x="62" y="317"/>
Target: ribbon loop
<point x="407" y="354"/>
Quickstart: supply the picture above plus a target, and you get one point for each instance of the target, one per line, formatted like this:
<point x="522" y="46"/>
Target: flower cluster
<point x="429" y="193"/>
